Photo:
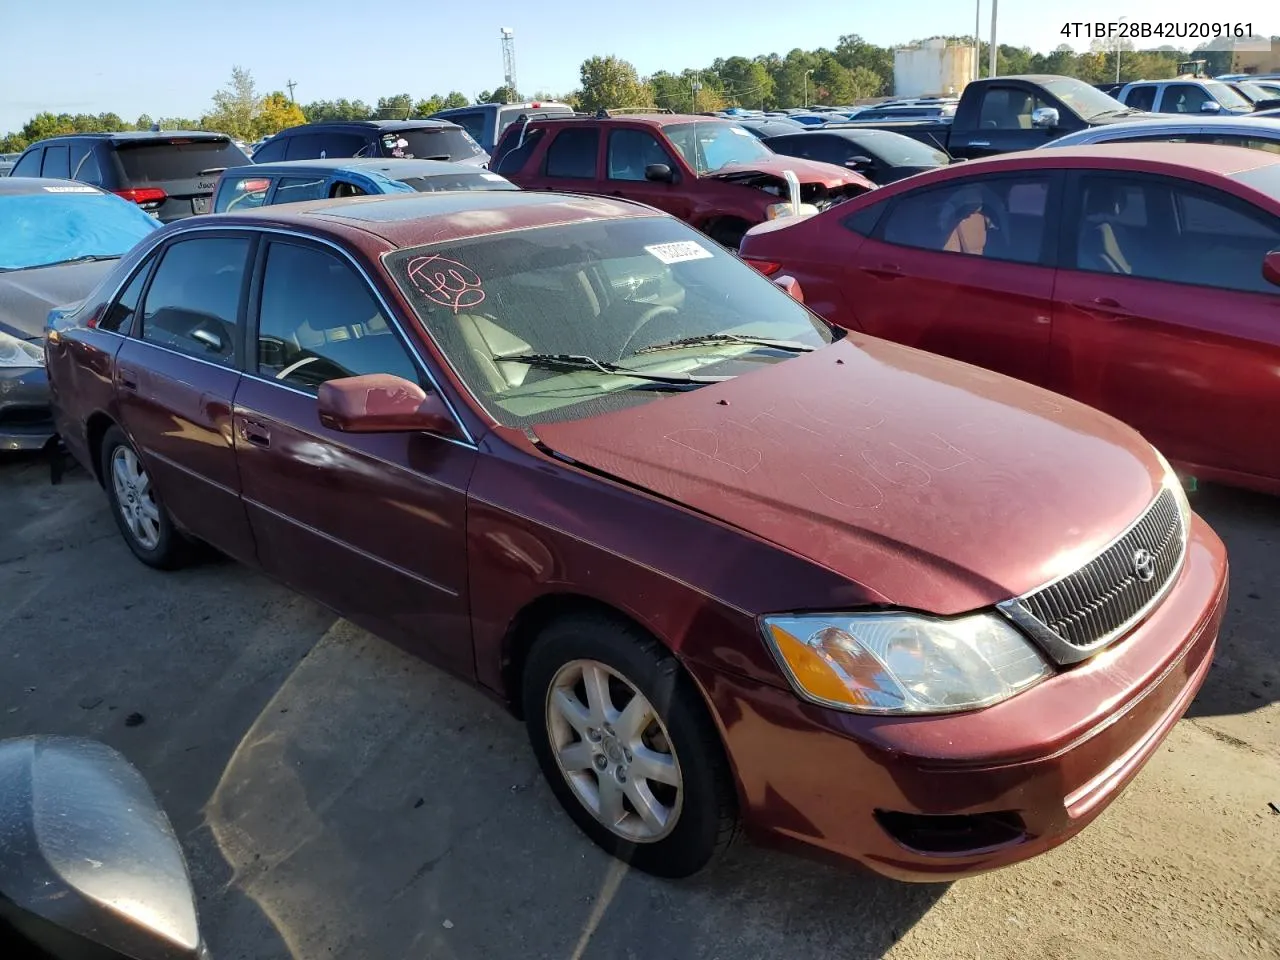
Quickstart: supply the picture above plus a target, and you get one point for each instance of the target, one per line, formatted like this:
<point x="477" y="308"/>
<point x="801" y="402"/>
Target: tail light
<point x="767" y="267"/>
<point x="148" y="198"/>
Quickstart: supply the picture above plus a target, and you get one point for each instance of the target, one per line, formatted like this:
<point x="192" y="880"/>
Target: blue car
<point x="293" y="181"/>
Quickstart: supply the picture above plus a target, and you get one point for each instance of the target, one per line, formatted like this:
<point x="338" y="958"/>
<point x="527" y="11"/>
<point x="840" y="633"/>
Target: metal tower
<point x="509" y="59"/>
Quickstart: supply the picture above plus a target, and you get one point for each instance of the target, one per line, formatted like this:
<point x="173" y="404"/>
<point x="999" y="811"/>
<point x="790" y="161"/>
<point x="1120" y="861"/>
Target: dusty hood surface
<point x="938" y="486"/>
<point x="808" y="171"/>
<point x="27" y="296"/>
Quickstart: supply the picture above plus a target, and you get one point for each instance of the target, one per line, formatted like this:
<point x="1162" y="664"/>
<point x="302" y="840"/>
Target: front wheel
<point x="625" y="743"/>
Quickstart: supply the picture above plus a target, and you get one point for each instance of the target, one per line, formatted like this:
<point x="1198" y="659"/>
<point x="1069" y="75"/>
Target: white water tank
<point x="933" y="69"/>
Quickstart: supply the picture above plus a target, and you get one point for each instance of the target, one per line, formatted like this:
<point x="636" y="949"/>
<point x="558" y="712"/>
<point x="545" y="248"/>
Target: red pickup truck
<point x="711" y="173"/>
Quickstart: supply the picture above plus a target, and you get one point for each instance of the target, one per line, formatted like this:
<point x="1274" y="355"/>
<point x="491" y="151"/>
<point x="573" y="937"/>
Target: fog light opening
<point x="950" y="834"/>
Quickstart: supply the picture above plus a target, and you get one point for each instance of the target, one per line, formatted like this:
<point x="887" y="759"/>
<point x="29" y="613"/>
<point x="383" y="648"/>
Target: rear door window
<point x="297" y="189"/>
<point x="573" y="153"/>
<point x="57" y="163"/>
<point x="1141" y="98"/>
<point x="166" y="161"/>
<point x="193" y="303"/>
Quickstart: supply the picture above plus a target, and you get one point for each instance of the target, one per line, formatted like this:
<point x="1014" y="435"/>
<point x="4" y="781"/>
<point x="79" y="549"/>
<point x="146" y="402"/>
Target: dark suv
<point x="410" y="139"/>
<point x="169" y="174"/>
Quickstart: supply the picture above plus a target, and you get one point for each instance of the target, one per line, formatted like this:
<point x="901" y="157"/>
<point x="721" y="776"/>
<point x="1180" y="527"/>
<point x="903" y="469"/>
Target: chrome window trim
<point x="1064" y="653"/>
<point x="414" y="351"/>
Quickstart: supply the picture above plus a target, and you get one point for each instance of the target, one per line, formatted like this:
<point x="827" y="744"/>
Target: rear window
<point x="430" y="143"/>
<point x="161" y="161"/>
<point x="459" y="181"/>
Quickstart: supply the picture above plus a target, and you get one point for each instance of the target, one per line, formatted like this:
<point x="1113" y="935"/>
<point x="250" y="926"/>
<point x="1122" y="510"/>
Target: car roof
<point x="14" y="186"/>
<point x="132" y="136"/>
<point x="366" y="125"/>
<point x="392" y="167"/>
<point x="1234" y="124"/>
<point x="409" y="220"/>
<point x="651" y="119"/>
<point x="1174" y="158"/>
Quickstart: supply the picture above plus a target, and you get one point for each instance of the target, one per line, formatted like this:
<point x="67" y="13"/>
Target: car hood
<point x="807" y="171"/>
<point x="935" y="485"/>
<point x="27" y="296"/>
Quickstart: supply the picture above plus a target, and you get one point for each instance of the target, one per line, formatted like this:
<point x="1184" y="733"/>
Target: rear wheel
<point x="140" y="514"/>
<point x="626" y="745"/>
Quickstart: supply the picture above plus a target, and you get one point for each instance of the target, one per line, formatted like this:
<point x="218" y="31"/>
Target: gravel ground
<point x="337" y="798"/>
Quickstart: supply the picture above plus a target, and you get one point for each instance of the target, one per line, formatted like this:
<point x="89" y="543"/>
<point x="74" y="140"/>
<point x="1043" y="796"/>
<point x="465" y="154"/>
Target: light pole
<point x="806" y="89"/>
<point x="1122" y="20"/>
<point x="991" y="72"/>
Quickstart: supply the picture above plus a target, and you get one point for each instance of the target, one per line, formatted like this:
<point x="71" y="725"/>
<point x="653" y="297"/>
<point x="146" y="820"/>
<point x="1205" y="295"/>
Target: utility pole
<point x="806" y="89"/>
<point x="291" y="84"/>
<point x="992" y="71"/>
<point x="977" y="39"/>
<point x="509" y="60"/>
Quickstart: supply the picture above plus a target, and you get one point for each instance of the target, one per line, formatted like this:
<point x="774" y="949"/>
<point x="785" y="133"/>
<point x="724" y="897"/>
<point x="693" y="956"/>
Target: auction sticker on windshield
<point x="679" y="251"/>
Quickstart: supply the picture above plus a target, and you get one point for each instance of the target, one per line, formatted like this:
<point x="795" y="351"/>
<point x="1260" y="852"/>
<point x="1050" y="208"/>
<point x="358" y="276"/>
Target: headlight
<point x="1174" y="483"/>
<point x="19" y="353"/>
<point x="904" y="662"/>
<point x="777" y="210"/>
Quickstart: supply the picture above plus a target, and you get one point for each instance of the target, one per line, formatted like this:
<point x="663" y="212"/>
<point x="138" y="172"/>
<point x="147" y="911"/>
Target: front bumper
<point x="26" y="422"/>
<point x="939" y="798"/>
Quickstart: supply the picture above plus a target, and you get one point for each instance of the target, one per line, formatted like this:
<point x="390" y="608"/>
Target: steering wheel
<point x="645" y="319"/>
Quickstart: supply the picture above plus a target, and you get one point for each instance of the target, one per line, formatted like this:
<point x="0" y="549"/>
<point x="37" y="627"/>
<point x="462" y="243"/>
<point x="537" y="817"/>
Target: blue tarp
<point x="46" y="227"/>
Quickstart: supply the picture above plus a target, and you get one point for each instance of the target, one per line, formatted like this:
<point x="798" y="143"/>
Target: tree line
<point x="851" y="70"/>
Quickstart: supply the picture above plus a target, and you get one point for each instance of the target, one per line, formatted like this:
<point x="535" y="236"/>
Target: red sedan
<point x="1141" y="279"/>
<point x="729" y="565"/>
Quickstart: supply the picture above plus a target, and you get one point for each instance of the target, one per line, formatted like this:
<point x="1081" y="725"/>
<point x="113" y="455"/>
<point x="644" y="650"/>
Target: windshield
<point x="428" y="143"/>
<point x="459" y="181"/>
<point x="1254" y="92"/>
<point x="899" y="151"/>
<point x="41" y="229"/>
<point x="602" y="289"/>
<point x="709" y="146"/>
<point x="1086" y="101"/>
<point x="163" y="161"/>
<point x="1227" y="96"/>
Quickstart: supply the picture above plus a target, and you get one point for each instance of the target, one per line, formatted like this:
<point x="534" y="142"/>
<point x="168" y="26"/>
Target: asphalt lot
<point x="337" y="798"/>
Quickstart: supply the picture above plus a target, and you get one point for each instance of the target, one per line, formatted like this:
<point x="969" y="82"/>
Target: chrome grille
<point x="1080" y="614"/>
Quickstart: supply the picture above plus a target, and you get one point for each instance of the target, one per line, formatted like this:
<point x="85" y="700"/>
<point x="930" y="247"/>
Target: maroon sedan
<point x="728" y="564"/>
<point x="1141" y="279"/>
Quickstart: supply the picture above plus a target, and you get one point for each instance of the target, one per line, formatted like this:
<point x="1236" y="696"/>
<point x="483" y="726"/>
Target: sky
<point x="166" y="59"/>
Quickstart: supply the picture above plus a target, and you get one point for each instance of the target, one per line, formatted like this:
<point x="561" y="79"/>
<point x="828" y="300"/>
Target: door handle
<point x="1102" y="306"/>
<point x="979" y="143"/>
<point x="886" y="271"/>
<point x="126" y="378"/>
<point x="253" y="432"/>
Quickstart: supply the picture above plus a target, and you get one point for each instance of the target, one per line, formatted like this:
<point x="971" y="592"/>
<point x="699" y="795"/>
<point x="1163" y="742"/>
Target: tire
<point x="728" y="233"/>
<point x="140" y="514"/>
<point x="701" y="808"/>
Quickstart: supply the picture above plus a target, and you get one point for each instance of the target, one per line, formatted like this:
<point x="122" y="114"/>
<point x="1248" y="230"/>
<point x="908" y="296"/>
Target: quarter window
<point x="573" y="153"/>
<point x="84" y="164"/>
<point x="319" y="321"/>
<point x="193" y="303"/>
<point x="630" y="151"/>
<point x="996" y="218"/>
<point x="119" y="317"/>
<point x="28" y="165"/>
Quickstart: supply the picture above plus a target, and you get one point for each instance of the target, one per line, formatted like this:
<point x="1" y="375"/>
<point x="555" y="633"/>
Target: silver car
<point x="1259" y="133"/>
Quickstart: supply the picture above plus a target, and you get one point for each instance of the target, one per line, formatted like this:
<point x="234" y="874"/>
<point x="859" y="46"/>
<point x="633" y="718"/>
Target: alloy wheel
<point x="614" y="751"/>
<point x="136" y="499"/>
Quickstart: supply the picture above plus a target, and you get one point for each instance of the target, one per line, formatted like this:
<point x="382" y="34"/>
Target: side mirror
<point x="791" y="286"/>
<point x="1210" y="106"/>
<point x="659" y="173"/>
<point x="858" y="163"/>
<point x="382" y="403"/>
<point x="208" y="338"/>
<point x="88" y="861"/>
<point x="1271" y="267"/>
<point x="1044" y="118"/>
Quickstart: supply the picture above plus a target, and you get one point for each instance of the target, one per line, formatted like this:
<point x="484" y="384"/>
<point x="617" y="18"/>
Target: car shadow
<point x="1246" y="671"/>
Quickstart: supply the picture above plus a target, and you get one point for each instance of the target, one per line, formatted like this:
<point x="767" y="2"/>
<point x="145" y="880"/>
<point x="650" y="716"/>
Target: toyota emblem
<point x="1144" y="565"/>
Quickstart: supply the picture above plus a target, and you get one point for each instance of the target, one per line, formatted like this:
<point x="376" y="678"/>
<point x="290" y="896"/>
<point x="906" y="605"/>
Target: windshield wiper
<point x="791" y="346"/>
<point x="578" y="361"/>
